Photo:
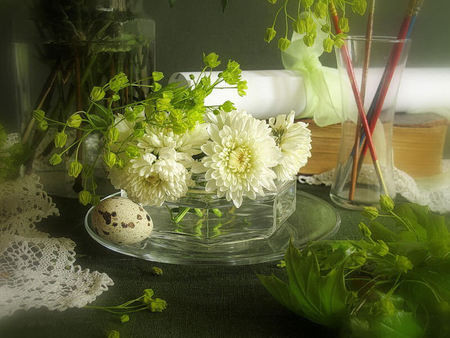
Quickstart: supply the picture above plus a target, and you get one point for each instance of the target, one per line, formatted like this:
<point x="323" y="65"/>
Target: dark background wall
<point x="192" y="27"/>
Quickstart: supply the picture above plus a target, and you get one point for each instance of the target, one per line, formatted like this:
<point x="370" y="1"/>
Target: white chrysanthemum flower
<point x="239" y="157"/>
<point x="294" y="141"/>
<point x="151" y="180"/>
<point x="186" y="145"/>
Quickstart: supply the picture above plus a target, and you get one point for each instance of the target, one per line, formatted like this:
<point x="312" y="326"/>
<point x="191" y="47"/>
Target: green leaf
<point x="277" y="288"/>
<point x="399" y="325"/>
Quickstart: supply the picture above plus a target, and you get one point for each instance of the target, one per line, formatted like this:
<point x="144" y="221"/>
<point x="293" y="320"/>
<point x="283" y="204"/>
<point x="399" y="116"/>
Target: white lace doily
<point x="433" y="192"/>
<point x="36" y="270"/>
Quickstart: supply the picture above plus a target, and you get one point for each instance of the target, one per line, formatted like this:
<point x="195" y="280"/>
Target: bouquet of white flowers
<point x="152" y="148"/>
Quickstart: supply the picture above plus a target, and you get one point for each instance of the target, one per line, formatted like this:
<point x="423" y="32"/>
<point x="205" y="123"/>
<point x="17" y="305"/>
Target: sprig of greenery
<point x="308" y="17"/>
<point x="394" y="282"/>
<point x="146" y="302"/>
<point x="172" y="107"/>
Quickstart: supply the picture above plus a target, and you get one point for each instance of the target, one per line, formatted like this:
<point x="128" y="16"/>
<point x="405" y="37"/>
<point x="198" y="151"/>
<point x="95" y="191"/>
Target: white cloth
<point x="433" y="192"/>
<point x="36" y="270"/>
<point x="273" y="92"/>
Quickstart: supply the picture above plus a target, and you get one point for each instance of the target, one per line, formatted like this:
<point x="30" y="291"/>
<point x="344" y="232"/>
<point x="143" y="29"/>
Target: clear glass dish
<point x="313" y="219"/>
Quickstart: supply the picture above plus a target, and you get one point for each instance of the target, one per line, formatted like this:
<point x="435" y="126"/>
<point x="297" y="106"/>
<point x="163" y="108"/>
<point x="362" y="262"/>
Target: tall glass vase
<point x="64" y="52"/>
<point x="377" y="68"/>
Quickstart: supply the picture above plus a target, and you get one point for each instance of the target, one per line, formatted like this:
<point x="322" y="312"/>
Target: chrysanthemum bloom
<point x="239" y="157"/>
<point x="186" y="145"/>
<point x="151" y="180"/>
<point x="294" y="141"/>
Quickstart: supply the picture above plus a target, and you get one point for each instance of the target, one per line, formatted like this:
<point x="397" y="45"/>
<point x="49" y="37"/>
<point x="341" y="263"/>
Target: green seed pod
<point x="38" y="115"/>
<point x="157" y="76"/>
<point x="97" y="94"/>
<point x="74" y="121"/>
<point x="43" y="125"/>
<point x="308" y="40"/>
<point x="365" y="230"/>
<point x="60" y="139"/>
<point x="75" y="168"/>
<point x="84" y="197"/>
<point x="113" y="134"/>
<point x="283" y="44"/>
<point x="328" y="44"/>
<point x="270" y="34"/>
<point x="343" y="24"/>
<point x="370" y="212"/>
<point x="110" y="159"/>
<point x="386" y="203"/>
<point x="55" y="159"/>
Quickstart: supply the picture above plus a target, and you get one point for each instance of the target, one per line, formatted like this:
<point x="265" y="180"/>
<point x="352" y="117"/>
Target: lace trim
<point x="36" y="270"/>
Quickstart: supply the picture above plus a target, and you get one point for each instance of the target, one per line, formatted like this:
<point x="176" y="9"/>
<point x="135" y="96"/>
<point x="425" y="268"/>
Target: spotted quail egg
<point x="121" y="221"/>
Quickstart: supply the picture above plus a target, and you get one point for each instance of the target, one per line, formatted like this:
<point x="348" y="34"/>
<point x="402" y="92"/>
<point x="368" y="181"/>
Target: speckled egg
<point x="121" y="221"/>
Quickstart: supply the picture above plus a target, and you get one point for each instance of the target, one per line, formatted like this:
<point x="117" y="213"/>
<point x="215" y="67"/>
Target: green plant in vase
<point x="83" y="44"/>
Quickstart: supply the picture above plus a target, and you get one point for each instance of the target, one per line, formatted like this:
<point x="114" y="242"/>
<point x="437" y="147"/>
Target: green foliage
<point x="308" y="16"/>
<point x="170" y="107"/>
<point x="393" y="282"/>
<point x="146" y="302"/>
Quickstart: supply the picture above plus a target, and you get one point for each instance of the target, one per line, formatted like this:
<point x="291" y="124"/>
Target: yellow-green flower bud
<point x="359" y="7"/>
<point x="75" y="168"/>
<point x="157" y="76"/>
<point x="343" y="24"/>
<point x="158" y="305"/>
<point x="74" y="121"/>
<point x="38" y="115"/>
<point x="370" y="212"/>
<point x="385" y="306"/>
<point x="110" y="159"/>
<point x="113" y="334"/>
<point x="339" y="40"/>
<point x="283" y="44"/>
<point x="55" y="159"/>
<point x="120" y="163"/>
<point x="227" y="106"/>
<point x="211" y="60"/>
<point x="84" y="197"/>
<point x="130" y="114"/>
<point x="217" y="212"/>
<point x="300" y="26"/>
<point x="132" y="152"/>
<point x="364" y="230"/>
<point x="115" y="97"/>
<point x="381" y="248"/>
<point x="118" y="82"/>
<point x="321" y="9"/>
<point x="241" y="87"/>
<point x="97" y="93"/>
<point x="95" y="200"/>
<point x="308" y="39"/>
<point x="43" y="125"/>
<point x="60" y="139"/>
<point x="270" y="34"/>
<point x="273" y="2"/>
<point x="307" y="3"/>
<point x="156" y="86"/>
<point x="157" y="271"/>
<point x="328" y="44"/>
<point x="325" y="28"/>
<point x="113" y="134"/>
<point x="403" y="264"/>
<point x="124" y="318"/>
<point x="386" y="203"/>
<point x="311" y="26"/>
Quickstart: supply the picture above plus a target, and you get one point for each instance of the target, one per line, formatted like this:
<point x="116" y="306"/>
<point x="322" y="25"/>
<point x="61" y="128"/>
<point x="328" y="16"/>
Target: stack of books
<point x="418" y="145"/>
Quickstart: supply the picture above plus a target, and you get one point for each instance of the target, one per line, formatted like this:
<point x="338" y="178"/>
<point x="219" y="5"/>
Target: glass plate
<point x="314" y="219"/>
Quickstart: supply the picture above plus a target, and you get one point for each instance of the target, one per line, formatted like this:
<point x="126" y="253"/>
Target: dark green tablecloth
<point x="203" y="301"/>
